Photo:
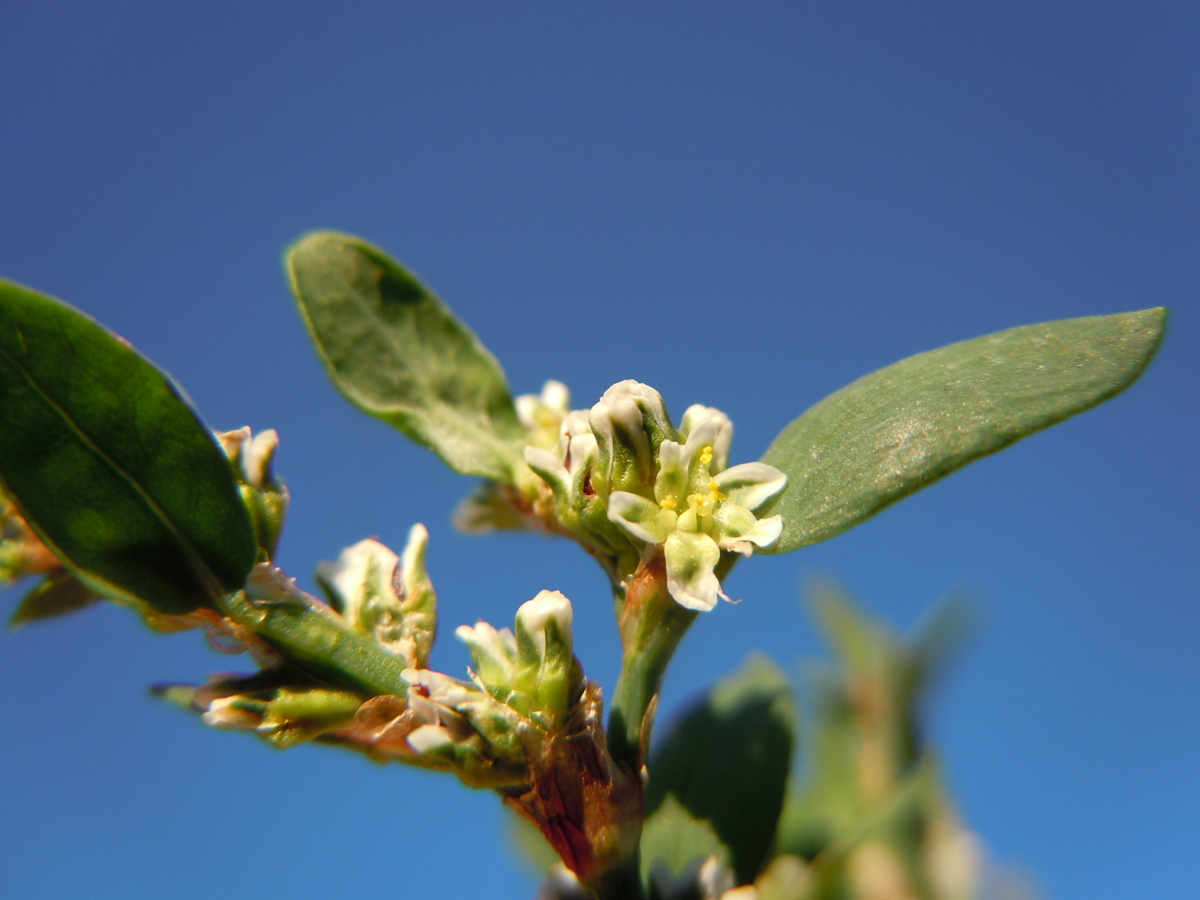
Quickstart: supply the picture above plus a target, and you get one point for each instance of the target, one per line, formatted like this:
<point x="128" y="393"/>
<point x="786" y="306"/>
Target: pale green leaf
<point x="896" y="430"/>
<point x="397" y="352"/>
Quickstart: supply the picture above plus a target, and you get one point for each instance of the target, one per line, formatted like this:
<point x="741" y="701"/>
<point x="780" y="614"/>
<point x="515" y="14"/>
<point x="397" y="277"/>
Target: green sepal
<point x="728" y="758"/>
<point x="294" y="717"/>
<point x="268" y="510"/>
<point x="896" y="430"/>
<point x="396" y="351"/>
<point x="110" y="466"/>
<point x="58" y="594"/>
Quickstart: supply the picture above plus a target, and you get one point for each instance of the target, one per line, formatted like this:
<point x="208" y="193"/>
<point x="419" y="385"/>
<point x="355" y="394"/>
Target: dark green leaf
<point x="57" y="594"/>
<point x="110" y="466"/>
<point x="727" y="760"/>
<point x="396" y="351"/>
<point x="896" y="430"/>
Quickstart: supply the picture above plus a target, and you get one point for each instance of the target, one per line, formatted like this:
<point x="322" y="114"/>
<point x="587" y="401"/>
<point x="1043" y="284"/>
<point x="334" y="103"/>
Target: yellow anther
<point x="706" y="456"/>
<point x="668" y="502"/>
<point x="714" y="490"/>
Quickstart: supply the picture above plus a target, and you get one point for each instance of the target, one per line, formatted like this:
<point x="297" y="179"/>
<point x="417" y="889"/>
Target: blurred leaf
<point x="531" y="845"/>
<point x="109" y="465"/>
<point x="871" y="781"/>
<point x="396" y="351"/>
<point x="896" y="430"/>
<point x="673" y="837"/>
<point x="727" y="760"/>
<point x="788" y="877"/>
<point x="58" y="594"/>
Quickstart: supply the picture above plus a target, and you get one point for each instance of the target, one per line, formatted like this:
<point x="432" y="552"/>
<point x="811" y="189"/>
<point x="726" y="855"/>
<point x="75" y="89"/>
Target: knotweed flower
<point x="700" y="508"/>
<point x="623" y="477"/>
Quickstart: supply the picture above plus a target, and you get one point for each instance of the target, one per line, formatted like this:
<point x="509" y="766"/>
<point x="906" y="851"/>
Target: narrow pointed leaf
<point x="110" y="466"/>
<point x="727" y="760"/>
<point x="311" y="635"/>
<point x="396" y="351"/>
<point x="57" y="595"/>
<point x="896" y="430"/>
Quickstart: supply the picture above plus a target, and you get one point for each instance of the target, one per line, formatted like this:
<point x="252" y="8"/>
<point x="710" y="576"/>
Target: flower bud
<point x="266" y="497"/>
<point x="384" y="596"/>
<point x="542" y="414"/>
<point x="546" y="667"/>
<point x="466" y="730"/>
<point x="629" y="423"/>
<point x="494" y="653"/>
<point x="284" y="717"/>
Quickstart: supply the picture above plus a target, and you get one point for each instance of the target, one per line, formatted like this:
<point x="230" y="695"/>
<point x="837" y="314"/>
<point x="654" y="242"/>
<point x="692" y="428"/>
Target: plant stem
<point x="621" y="882"/>
<point x="652" y="625"/>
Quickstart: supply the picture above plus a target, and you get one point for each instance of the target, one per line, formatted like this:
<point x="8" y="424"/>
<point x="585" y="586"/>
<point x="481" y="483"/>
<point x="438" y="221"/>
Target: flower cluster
<point x="625" y="482"/>
<point x="521" y="689"/>
<point x="524" y="688"/>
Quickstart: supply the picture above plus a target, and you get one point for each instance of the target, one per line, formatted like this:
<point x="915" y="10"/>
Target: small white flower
<point x="533" y="616"/>
<point x="251" y="453"/>
<point x="494" y="652"/>
<point x="701" y="508"/>
<point x="542" y="414"/>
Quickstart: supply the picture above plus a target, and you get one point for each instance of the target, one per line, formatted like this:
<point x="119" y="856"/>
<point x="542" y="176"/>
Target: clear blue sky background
<point x="746" y="205"/>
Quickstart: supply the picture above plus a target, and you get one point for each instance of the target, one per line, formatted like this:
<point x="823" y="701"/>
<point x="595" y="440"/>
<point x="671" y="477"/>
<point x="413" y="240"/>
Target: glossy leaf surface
<point x="896" y="430"/>
<point x="110" y="466"/>
<point x="397" y="352"/>
<point x="727" y="760"/>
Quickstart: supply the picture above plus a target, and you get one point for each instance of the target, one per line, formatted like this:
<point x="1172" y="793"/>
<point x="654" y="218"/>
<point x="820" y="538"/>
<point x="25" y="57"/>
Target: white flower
<point x="701" y="508"/>
<point x="251" y="454"/>
<point x="494" y="652"/>
<point x="542" y="414"/>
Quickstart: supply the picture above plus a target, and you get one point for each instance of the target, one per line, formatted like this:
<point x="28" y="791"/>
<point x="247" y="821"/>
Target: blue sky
<point x="743" y="205"/>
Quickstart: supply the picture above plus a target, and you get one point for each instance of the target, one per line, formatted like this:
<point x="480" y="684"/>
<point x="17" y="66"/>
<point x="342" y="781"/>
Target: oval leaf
<point x="727" y="760"/>
<point x="396" y="351"/>
<point x="896" y="430"/>
<point x="110" y="466"/>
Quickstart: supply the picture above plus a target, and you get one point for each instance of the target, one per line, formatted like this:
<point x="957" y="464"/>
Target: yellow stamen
<point x="706" y="456"/>
<point x="714" y="490"/>
<point x="668" y="502"/>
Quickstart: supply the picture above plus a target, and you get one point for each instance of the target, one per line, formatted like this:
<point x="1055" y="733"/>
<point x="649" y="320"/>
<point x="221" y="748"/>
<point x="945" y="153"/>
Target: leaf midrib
<point x="209" y="580"/>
